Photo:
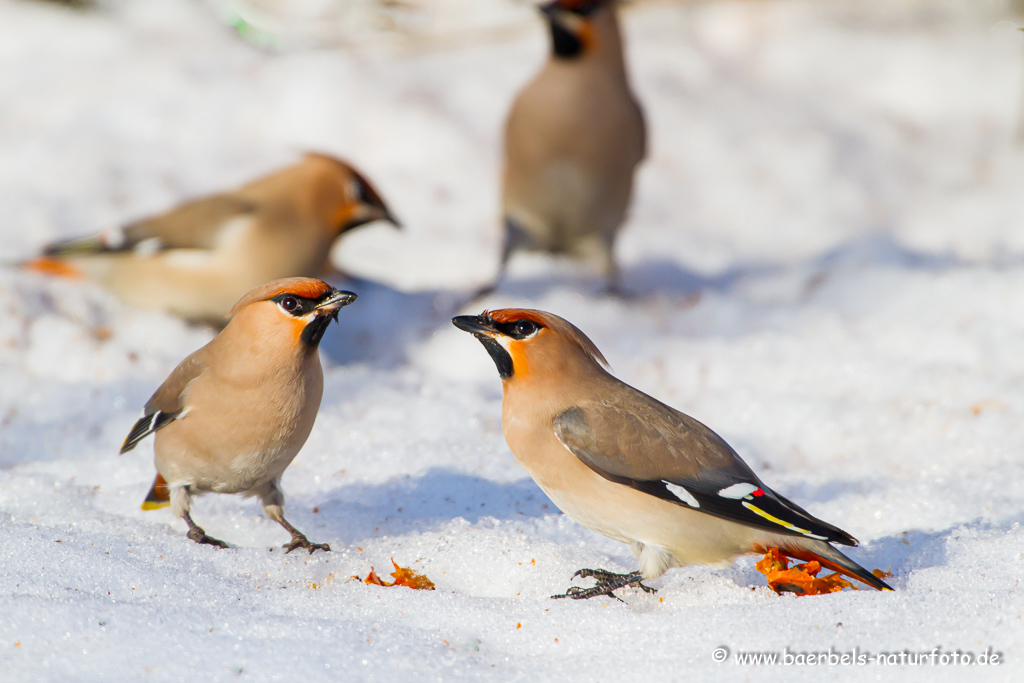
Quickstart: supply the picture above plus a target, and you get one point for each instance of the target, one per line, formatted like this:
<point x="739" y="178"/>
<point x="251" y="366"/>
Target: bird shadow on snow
<point x="384" y="322"/>
<point x="667" y="277"/>
<point x="358" y="511"/>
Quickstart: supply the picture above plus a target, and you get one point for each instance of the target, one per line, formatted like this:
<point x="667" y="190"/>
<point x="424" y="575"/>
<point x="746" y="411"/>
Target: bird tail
<point x="79" y="246"/>
<point x="833" y="559"/>
<point x="159" y="495"/>
<point x="56" y="258"/>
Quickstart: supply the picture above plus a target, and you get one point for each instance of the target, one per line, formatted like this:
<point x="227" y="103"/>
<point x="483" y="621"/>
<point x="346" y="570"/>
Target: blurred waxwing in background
<point x="196" y="260"/>
<point x="573" y="140"/>
<point x="233" y="415"/>
<point x="629" y="467"/>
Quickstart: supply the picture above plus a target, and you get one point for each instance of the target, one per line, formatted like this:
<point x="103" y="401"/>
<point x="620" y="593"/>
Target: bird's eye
<point x="290" y="304"/>
<point x="524" y="328"/>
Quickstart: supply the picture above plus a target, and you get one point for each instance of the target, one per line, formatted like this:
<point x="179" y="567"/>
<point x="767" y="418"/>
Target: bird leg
<point x="273" y="504"/>
<point x="606" y="583"/>
<point x="515" y="239"/>
<point x="197" y="534"/>
<point x="299" y="539"/>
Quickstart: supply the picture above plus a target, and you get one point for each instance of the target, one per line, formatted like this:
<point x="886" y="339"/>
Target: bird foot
<point x="197" y="534"/>
<point x="300" y="541"/>
<point x="607" y="582"/>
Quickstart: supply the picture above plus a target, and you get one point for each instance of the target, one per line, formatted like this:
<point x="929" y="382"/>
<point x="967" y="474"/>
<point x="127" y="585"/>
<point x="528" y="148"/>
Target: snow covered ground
<point x="828" y="238"/>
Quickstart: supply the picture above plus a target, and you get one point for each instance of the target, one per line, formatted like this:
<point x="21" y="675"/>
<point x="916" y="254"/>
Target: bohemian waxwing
<point x="199" y="258"/>
<point x="631" y="468"/>
<point x="573" y="140"/>
<point x="231" y="417"/>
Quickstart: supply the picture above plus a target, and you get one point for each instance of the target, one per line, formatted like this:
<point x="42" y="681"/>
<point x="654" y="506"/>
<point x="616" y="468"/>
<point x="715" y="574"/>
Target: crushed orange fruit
<point x="802" y="579"/>
<point x="403" y="576"/>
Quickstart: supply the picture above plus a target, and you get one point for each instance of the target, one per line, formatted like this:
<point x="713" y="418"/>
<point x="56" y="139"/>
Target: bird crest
<point x="305" y="287"/>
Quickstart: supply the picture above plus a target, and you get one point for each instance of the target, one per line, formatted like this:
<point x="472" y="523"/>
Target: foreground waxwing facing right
<point x="629" y="467"/>
<point x="573" y="140"/>
<point x="196" y="260"/>
<point x="232" y="416"/>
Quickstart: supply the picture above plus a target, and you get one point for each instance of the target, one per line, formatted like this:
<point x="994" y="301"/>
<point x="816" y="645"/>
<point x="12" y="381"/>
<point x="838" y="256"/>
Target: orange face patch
<point x="586" y="37"/>
<point x="344" y="215"/>
<point x="516" y="348"/>
<point x="520" y="359"/>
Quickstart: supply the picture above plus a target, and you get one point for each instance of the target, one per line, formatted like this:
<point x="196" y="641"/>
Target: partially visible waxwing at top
<point x="573" y="140"/>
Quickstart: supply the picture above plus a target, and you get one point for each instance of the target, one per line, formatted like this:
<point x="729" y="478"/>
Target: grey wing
<point x="194" y="225"/>
<point x="165" y="405"/>
<point x="639" y="442"/>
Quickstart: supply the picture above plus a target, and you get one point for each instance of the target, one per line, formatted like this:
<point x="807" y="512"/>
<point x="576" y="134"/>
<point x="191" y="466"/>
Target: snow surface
<point x="827" y="243"/>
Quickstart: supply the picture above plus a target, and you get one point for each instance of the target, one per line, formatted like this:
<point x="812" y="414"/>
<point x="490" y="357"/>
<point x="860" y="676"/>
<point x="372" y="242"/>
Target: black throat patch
<point x="499" y="355"/>
<point x="564" y="42"/>
<point x="314" y="331"/>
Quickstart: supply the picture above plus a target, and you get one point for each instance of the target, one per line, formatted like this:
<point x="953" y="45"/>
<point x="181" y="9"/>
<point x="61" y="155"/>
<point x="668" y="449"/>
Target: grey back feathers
<point x="634" y="440"/>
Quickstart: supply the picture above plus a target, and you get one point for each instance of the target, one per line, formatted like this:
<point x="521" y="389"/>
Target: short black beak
<point x="475" y="324"/>
<point x="377" y="214"/>
<point x="389" y="217"/>
<point x="334" y="302"/>
<point x="482" y="327"/>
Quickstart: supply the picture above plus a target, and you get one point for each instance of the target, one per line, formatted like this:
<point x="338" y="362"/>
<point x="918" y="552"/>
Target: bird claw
<point x="199" y="536"/>
<point x="577" y="593"/>
<point x="599" y="574"/>
<point x="300" y="541"/>
<point x="606" y="583"/>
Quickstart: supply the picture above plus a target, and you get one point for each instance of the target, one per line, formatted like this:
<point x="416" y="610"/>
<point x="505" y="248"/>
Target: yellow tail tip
<point x="154" y="505"/>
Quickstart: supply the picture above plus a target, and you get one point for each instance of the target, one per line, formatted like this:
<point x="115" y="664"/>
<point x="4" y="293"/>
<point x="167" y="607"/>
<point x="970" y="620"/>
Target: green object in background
<point x="252" y="34"/>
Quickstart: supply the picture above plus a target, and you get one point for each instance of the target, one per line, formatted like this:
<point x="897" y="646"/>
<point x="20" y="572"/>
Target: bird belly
<point x="238" y="474"/>
<point x="235" y="451"/>
<point x="551" y="206"/>
<point x="662" y="534"/>
<point x="193" y="283"/>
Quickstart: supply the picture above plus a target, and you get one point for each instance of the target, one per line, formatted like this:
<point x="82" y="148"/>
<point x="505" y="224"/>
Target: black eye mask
<point x="517" y="329"/>
<point x="303" y="306"/>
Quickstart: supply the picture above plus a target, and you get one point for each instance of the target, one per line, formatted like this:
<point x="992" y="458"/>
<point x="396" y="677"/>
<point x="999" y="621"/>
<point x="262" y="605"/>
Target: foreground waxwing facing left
<point x="629" y="467"/>
<point x="232" y="416"/>
<point x="196" y="260"/>
<point x="573" y="140"/>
